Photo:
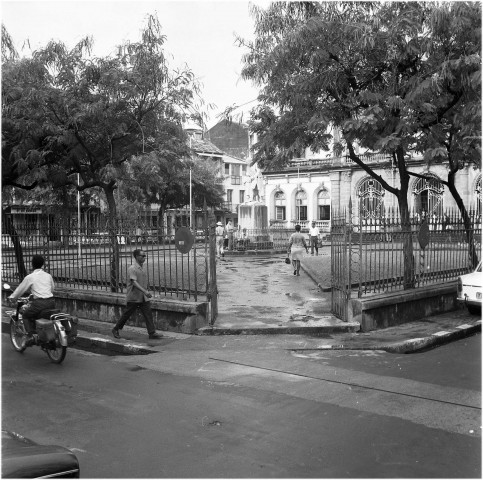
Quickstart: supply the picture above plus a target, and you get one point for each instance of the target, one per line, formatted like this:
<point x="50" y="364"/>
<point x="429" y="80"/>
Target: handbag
<point x="287" y="261"/>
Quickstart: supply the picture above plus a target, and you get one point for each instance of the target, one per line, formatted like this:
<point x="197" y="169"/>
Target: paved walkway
<point x="262" y="293"/>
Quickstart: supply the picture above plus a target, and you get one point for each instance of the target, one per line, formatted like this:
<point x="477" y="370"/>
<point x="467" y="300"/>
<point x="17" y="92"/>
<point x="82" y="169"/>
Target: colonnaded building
<point x="312" y="186"/>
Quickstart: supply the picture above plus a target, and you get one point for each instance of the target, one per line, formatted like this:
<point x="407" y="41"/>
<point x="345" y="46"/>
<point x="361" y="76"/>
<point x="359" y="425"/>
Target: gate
<point x="345" y="257"/>
<point x="340" y="235"/>
<point x="209" y="225"/>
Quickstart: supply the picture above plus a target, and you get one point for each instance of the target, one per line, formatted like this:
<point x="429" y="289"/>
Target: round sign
<point x="184" y="239"/>
<point x="423" y="235"/>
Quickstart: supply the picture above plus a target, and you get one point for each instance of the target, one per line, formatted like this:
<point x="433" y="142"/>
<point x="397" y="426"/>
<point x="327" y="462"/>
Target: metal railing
<point x="98" y="260"/>
<point x="371" y="252"/>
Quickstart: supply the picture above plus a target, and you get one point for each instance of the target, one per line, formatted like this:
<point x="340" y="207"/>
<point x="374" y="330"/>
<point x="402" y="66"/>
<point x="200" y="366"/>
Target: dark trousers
<point x="314" y="244"/>
<point x="33" y="311"/>
<point x="131" y="307"/>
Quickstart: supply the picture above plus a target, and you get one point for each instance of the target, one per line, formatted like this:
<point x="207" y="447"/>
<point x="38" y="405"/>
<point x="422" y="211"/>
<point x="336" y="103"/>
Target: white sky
<point x="199" y="33"/>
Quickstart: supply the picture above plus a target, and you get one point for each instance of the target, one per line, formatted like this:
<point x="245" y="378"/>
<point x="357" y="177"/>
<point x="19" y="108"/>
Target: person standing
<point x="41" y="285"/>
<point x="296" y="248"/>
<point x="314" y="239"/>
<point x="137" y="296"/>
<point x="219" y="238"/>
<point x="229" y="231"/>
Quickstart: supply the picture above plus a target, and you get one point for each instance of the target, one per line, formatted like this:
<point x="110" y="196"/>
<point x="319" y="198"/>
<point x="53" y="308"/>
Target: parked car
<point x="23" y="458"/>
<point x="470" y="287"/>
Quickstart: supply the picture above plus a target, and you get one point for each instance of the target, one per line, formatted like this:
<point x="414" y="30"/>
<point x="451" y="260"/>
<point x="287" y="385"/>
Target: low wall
<point x="169" y="315"/>
<point x="394" y="308"/>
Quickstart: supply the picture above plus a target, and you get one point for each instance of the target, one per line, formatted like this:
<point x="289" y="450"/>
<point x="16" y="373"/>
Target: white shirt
<point x="314" y="232"/>
<point x="219" y="231"/>
<point x="41" y="285"/>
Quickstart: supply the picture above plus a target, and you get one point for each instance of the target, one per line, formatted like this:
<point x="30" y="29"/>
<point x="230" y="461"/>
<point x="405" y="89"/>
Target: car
<point x="24" y="458"/>
<point x="469" y="291"/>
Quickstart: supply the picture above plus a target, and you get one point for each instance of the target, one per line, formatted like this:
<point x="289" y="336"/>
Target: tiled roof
<point x="203" y="146"/>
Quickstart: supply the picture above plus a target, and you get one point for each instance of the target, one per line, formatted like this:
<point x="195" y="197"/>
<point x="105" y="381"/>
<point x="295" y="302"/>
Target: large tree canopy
<point x="393" y="77"/>
<point x="65" y="112"/>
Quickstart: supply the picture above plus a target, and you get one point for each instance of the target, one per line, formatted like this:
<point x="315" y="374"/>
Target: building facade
<point x="310" y="189"/>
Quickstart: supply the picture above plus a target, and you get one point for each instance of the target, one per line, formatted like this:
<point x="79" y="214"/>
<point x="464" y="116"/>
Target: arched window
<point x="428" y="196"/>
<point x="301" y="205"/>
<point x="323" y="205"/>
<point x="280" y="205"/>
<point x="371" y="198"/>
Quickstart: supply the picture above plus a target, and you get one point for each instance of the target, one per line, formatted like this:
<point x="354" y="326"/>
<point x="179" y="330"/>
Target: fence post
<point x="213" y="288"/>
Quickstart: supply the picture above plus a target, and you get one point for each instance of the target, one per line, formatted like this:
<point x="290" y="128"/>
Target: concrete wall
<point x="168" y="315"/>
<point x="391" y="309"/>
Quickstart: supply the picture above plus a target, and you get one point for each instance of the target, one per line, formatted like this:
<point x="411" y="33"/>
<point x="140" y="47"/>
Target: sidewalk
<point x="406" y="338"/>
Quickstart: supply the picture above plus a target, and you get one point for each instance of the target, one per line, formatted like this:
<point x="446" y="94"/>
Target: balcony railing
<point x="327" y="162"/>
<point x="230" y="207"/>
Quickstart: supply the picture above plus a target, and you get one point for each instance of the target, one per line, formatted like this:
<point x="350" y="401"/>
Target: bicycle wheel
<point x="18" y="335"/>
<point x="57" y="354"/>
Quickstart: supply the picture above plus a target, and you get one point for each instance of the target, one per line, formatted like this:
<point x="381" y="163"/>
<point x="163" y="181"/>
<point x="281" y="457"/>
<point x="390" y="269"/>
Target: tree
<point x="163" y="179"/>
<point x="373" y="70"/>
<point x="73" y="114"/>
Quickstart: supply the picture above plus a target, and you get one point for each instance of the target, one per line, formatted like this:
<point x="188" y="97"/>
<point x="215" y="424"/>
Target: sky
<point x="199" y="33"/>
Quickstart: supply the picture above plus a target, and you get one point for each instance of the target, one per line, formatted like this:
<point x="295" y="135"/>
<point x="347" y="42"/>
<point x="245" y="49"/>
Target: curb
<point x="411" y="345"/>
<point x="111" y="345"/>
<point x="348" y="328"/>
<point x="88" y="342"/>
<point x="438" y="338"/>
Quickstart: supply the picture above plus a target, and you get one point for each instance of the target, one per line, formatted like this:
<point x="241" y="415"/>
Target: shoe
<point x="298" y="274"/>
<point x="155" y="336"/>
<point x="115" y="333"/>
<point x="295" y="272"/>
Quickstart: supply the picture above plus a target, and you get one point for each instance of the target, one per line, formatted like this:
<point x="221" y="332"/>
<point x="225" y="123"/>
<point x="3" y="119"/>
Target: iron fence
<point x="99" y="260"/>
<point x="368" y="254"/>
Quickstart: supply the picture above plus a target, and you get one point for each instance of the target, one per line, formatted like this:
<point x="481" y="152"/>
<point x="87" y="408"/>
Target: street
<point x="253" y="406"/>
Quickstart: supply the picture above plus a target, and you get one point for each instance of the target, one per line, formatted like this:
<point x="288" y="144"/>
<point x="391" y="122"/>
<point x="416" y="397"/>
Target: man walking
<point x="314" y="239"/>
<point x="229" y="231"/>
<point x="219" y="234"/>
<point x="137" y="296"/>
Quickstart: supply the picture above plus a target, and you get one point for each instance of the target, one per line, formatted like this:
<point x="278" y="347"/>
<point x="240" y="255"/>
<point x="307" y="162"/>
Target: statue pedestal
<point x="253" y="216"/>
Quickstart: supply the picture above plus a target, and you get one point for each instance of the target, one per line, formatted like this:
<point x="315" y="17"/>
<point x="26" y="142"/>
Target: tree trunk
<point x="17" y="246"/>
<point x="161" y="231"/>
<point x="408" y="250"/>
<point x="114" y="246"/>
<point x="470" y="237"/>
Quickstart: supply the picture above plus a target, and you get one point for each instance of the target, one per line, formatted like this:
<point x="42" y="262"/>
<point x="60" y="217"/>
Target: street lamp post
<point x="79" y="250"/>
<point x="191" y="205"/>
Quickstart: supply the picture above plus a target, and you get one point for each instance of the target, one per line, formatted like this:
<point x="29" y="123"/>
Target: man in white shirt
<point x="314" y="239"/>
<point x="41" y="285"/>
<point x="229" y="231"/>
<point x="219" y="234"/>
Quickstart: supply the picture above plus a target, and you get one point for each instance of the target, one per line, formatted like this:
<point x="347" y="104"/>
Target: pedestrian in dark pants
<point x="137" y="296"/>
<point x="314" y="239"/>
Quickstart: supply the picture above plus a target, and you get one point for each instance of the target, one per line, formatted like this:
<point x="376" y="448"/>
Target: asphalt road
<point x="219" y="407"/>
